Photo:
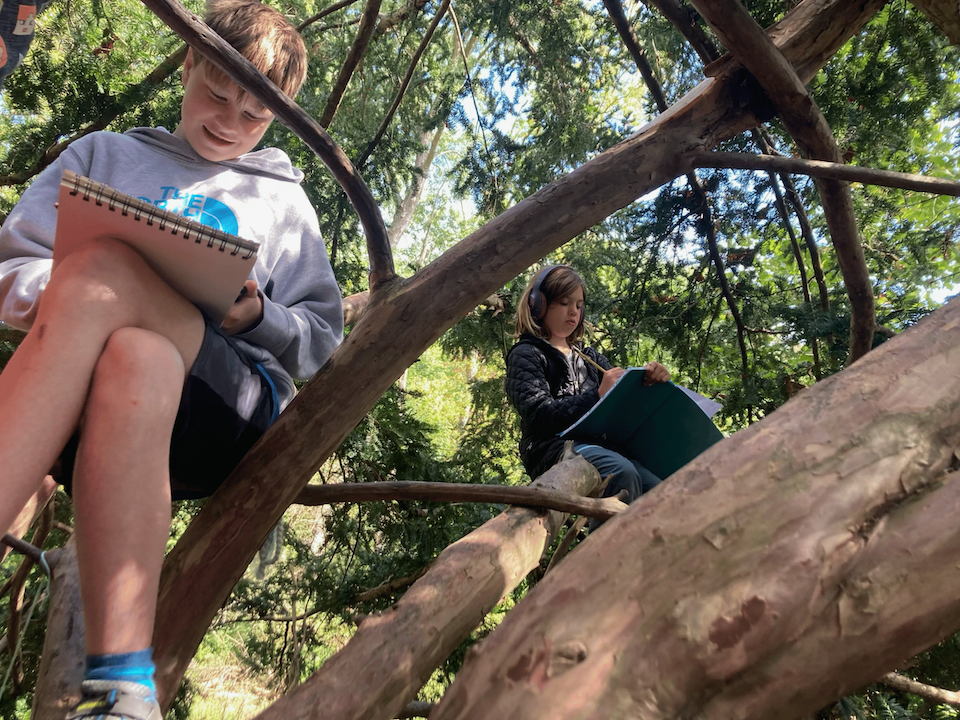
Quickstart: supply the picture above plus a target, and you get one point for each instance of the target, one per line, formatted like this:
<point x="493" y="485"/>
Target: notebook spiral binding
<point x="144" y="211"/>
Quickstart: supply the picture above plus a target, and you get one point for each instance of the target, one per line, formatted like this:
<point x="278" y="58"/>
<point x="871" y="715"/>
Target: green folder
<point x="658" y="425"/>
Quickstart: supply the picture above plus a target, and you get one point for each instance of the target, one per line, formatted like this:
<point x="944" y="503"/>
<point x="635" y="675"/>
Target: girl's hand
<point x="609" y="378"/>
<point x="655" y="373"/>
<point x="246" y="312"/>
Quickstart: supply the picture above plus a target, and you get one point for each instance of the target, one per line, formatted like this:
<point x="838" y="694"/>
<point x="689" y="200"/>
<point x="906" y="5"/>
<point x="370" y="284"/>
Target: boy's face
<point x="216" y="124"/>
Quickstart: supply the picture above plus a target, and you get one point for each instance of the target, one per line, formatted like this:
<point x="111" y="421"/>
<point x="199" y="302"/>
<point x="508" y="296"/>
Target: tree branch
<point x="131" y="98"/>
<point x="388" y="22"/>
<point x="393" y="652"/>
<point x="775" y="180"/>
<point x="684" y="19"/>
<point x="615" y="10"/>
<point x="737" y="30"/>
<point x="22" y="547"/>
<point x="822" y="169"/>
<point x="415" y="709"/>
<point x="603" y="508"/>
<point x="364" y="33"/>
<point x="405" y="83"/>
<point x="915" y="687"/>
<point x="323" y="13"/>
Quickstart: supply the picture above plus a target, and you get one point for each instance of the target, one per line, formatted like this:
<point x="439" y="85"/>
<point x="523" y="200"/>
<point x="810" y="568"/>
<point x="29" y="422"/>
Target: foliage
<point x="520" y="93"/>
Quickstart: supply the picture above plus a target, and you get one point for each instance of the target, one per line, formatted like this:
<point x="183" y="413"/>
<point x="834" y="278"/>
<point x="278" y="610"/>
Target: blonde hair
<point x="263" y="36"/>
<point x="559" y="282"/>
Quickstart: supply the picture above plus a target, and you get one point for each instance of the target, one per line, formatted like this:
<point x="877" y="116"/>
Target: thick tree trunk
<point x="211" y="555"/>
<point x="61" y="666"/>
<point x="394" y="652"/>
<point x="789" y="565"/>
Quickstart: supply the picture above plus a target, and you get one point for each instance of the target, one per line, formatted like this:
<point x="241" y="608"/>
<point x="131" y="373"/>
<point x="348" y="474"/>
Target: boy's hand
<point x="246" y="312"/>
<point x="609" y="378"/>
<point x="655" y="373"/>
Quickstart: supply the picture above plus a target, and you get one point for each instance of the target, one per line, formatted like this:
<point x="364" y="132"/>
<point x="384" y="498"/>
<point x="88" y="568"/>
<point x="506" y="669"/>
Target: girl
<point x="551" y="385"/>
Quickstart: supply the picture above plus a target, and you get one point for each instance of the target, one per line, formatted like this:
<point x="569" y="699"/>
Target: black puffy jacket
<point x="548" y="397"/>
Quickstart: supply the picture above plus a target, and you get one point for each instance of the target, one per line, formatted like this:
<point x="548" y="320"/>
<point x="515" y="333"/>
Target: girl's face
<point x="563" y="316"/>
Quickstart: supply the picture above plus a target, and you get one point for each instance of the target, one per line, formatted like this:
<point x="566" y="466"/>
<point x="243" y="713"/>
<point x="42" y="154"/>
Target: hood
<point x="269" y="162"/>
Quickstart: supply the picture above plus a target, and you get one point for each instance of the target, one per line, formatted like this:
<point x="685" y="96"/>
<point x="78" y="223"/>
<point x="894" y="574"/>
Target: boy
<point x="140" y="387"/>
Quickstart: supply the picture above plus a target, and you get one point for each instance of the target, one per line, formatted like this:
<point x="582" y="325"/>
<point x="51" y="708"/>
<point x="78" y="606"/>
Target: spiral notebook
<point x="663" y="426"/>
<point x="204" y="264"/>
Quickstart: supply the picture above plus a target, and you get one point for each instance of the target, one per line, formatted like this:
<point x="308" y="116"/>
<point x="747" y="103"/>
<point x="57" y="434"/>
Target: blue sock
<point x="133" y="667"/>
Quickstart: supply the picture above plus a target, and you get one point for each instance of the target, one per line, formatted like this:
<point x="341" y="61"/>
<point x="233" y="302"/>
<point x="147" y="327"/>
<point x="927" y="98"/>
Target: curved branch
<point x="200" y="37"/>
<point x="404" y="84"/>
<point x="737" y="30"/>
<point x="602" y="508"/>
<point x="364" y="32"/>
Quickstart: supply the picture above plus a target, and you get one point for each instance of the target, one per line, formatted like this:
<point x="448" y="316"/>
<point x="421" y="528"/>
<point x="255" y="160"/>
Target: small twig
<point x="564" y="547"/>
<point x="589" y="360"/>
<point x="22" y="547"/>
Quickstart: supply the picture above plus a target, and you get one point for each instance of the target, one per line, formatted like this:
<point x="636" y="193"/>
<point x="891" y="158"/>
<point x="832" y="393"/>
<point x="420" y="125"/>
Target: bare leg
<point x="101" y="288"/>
<point x="121" y="488"/>
<point x="31" y="511"/>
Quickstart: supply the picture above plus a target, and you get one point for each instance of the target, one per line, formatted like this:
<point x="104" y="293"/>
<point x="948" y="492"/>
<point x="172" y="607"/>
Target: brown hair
<point x="263" y="36"/>
<point x="560" y="281"/>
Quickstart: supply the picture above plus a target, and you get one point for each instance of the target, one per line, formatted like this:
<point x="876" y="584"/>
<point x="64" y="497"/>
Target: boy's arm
<point x="302" y="311"/>
<point x="26" y="249"/>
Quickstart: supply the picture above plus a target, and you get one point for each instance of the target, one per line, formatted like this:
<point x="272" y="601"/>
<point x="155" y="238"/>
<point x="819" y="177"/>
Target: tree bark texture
<point x="201" y="570"/>
<point x="787" y="566"/>
<point x="394" y="653"/>
<point x="945" y="14"/>
<point x="64" y="654"/>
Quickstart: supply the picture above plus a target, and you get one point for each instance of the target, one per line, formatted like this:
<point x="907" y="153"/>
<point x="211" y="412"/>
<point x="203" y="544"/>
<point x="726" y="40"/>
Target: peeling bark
<point x="215" y="549"/>
<point x="394" y="652"/>
<point x="778" y="571"/>
<point x="64" y="653"/>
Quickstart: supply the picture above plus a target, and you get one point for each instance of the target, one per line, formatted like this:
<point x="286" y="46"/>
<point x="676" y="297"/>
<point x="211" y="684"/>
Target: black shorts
<point x="228" y="402"/>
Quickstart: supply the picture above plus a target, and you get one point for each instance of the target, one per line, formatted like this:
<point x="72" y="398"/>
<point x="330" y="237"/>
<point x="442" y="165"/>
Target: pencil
<point x="588" y="359"/>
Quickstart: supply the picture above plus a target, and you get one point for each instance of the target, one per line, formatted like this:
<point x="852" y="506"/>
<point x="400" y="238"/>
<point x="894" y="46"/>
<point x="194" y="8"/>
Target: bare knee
<point x="96" y="278"/>
<point x="138" y="371"/>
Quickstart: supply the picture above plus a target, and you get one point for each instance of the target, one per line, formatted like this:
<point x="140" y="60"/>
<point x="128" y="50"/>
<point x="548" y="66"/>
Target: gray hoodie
<point x="255" y="196"/>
